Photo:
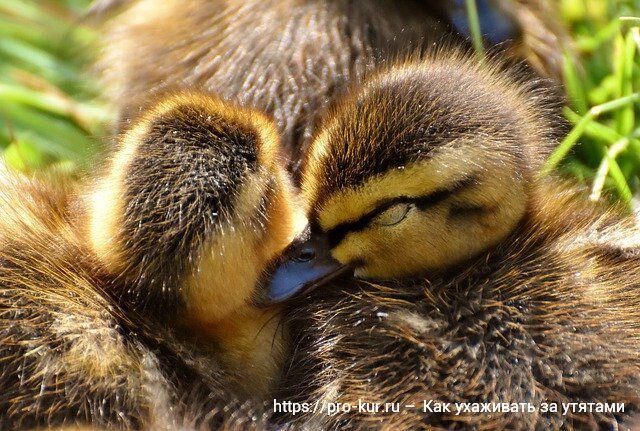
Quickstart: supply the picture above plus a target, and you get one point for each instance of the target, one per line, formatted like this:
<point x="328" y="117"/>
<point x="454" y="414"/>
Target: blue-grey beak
<point x="306" y="264"/>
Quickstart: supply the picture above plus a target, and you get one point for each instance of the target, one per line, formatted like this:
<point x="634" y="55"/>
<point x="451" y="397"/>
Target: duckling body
<point x="488" y="283"/>
<point x="549" y="316"/>
<point x="116" y="307"/>
<point x="69" y="354"/>
<point x="131" y="326"/>
<point x="289" y="59"/>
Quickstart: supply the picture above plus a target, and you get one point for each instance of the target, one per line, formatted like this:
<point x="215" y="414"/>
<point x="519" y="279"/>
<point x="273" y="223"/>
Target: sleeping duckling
<point x="143" y="299"/>
<point x="487" y="282"/>
<point x="194" y="207"/>
<point x="444" y="173"/>
<point x="290" y="59"/>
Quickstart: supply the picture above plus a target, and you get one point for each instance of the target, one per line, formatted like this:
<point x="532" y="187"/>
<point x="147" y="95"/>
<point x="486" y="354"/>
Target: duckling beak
<point x="305" y="265"/>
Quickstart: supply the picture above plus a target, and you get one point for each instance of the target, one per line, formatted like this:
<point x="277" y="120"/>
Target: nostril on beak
<point x="305" y="265"/>
<point x="305" y="255"/>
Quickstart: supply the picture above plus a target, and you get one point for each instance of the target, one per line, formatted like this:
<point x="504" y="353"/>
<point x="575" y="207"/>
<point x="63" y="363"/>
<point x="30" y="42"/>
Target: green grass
<point x="49" y="110"/>
<point x="50" y="113"/>
<point x="603" y="87"/>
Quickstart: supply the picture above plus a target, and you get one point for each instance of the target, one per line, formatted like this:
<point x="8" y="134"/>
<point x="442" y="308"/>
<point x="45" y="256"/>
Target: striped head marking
<point x="423" y="166"/>
<point x="192" y="207"/>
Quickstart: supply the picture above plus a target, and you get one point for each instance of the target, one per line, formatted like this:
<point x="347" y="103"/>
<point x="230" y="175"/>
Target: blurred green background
<point x="52" y="117"/>
<point x="50" y="111"/>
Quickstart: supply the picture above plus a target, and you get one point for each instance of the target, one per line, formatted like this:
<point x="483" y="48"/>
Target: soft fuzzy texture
<point x="549" y="315"/>
<point x="546" y="311"/>
<point x="69" y="354"/>
<point x="289" y="59"/>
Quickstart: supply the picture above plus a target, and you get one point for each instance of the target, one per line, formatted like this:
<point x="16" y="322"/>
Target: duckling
<point x="482" y="281"/>
<point x="191" y="212"/>
<point x="290" y="59"/>
<point x="140" y="298"/>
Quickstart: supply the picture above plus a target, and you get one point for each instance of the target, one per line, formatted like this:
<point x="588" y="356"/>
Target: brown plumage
<point x="537" y="301"/>
<point x="117" y="307"/>
<point x="289" y="59"/>
<point x="105" y="312"/>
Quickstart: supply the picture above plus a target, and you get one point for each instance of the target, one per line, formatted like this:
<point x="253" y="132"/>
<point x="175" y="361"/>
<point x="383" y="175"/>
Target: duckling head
<point x="192" y="208"/>
<point x="425" y="165"/>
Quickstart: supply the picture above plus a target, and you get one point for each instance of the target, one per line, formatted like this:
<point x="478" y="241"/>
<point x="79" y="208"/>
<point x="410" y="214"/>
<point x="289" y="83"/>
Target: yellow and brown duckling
<point x="142" y="299"/>
<point x="194" y="207"/>
<point x="290" y="59"/>
<point x="487" y="282"/>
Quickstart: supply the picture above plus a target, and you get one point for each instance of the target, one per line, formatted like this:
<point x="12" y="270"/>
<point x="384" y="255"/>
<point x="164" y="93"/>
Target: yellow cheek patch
<point x="414" y="180"/>
<point x="226" y="277"/>
<point x="392" y="251"/>
<point x="227" y="273"/>
<point x="436" y="238"/>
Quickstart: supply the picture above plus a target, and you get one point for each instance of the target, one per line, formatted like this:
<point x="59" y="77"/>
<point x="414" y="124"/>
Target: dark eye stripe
<point x="337" y="234"/>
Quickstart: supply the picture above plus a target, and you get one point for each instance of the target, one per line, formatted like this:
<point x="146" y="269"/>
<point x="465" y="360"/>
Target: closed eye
<point x="392" y="215"/>
<point x="397" y="206"/>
